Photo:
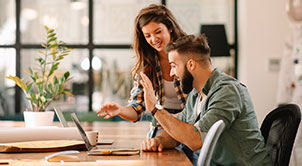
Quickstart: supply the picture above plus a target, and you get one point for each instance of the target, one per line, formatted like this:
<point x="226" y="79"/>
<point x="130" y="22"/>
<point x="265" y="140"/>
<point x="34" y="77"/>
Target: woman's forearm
<point x="128" y="113"/>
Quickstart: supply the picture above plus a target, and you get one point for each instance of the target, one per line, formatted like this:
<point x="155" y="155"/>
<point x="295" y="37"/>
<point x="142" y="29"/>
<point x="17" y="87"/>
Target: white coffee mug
<point x="93" y="137"/>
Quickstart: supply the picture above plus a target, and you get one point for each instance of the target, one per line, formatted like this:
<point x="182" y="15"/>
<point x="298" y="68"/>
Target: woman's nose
<point x="153" y="38"/>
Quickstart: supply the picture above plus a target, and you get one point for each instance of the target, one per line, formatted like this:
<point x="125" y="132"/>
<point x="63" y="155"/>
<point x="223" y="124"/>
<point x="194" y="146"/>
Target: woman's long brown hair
<point x="145" y="60"/>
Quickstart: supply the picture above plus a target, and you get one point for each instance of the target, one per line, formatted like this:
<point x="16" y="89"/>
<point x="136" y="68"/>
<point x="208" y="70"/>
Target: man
<point x="213" y="96"/>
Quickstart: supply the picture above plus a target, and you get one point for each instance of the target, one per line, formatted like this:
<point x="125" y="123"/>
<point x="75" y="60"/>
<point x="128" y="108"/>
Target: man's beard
<point x="187" y="82"/>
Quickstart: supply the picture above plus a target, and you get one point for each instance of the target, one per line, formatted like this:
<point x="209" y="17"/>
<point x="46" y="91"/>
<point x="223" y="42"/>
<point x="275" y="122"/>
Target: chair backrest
<point x="279" y="130"/>
<point x="209" y="143"/>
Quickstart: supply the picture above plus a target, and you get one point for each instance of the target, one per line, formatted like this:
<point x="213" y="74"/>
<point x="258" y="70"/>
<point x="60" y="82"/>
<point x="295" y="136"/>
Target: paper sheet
<point x="21" y="134"/>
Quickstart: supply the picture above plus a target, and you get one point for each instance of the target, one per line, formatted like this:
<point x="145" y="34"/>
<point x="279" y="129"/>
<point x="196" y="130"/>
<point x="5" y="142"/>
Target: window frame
<point x="18" y="46"/>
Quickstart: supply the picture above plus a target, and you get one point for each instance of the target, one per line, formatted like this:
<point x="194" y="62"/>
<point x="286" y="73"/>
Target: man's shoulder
<point x="191" y="98"/>
<point x="225" y="81"/>
<point x="219" y="79"/>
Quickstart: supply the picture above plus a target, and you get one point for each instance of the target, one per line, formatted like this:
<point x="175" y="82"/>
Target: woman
<point x="155" y="27"/>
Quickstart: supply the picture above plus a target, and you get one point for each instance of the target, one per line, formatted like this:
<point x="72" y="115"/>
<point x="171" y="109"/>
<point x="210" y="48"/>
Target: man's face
<point x="180" y="71"/>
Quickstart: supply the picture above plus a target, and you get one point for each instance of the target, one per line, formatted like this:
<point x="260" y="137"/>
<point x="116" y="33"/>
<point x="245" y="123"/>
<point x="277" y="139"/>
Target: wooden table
<point x="125" y="134"/>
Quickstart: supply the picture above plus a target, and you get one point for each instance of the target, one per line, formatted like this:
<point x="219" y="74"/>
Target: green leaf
<point x="29" y="86"/>
<point x="33" y="96"/>
<point x="66" y="75"/>
<point x="19" y="83"/>
<point x="53" y="45"/>
<point x="49" y="97"/>
<point x="52" y="39"/>
<point x="41" y="52"/>
<point x="55" y="80"/>
<point x="68" y="93"/>
<point x="40" y="60"/>
<point x="50" y="73"/>
<point x="56" y="88"/>
<point x="54" y="54"/>
<point x="51" y="35"/>
<point x="54" y="67"/>
<point x="62" y="79"/>
<point x="29" y="98"/>
<point x="59" y="58"/>
<point x="27" y="71"/>
<point x="30" y="70"/>
<point x="40" y="88"/>
<point x="62" y="88"/>
<point x="64" y="54"/>
<point x="43" y="99"/>
<point x="39" y="83"/>
<point x="36" y="78"/>
<point x="50" y="31"/>
<point x="50" y="87"/>
<point x="33" y="78"/>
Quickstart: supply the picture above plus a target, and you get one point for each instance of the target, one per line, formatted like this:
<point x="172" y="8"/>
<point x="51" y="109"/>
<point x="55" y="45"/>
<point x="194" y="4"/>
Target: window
<point x="100" y="33"/>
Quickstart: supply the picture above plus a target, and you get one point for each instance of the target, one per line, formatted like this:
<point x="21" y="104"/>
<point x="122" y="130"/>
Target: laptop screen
<point x="81" y="130"/>
<point x="61" y="117"/>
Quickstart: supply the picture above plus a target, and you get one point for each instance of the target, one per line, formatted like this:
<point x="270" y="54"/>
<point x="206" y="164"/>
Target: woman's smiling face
<point x="157" y="35"/>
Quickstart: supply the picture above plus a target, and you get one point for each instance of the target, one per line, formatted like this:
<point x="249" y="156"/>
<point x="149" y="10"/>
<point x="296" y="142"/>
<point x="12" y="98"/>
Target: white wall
<point x="263" y="28"/>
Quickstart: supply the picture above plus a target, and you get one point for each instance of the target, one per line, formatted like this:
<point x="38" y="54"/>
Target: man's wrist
<point x="156" y="108"/>
<point x="154" y="111"/>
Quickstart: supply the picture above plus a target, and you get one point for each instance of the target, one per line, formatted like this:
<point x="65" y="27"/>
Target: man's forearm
<point x="180" y="131"/>
<point x="128" y="113"/>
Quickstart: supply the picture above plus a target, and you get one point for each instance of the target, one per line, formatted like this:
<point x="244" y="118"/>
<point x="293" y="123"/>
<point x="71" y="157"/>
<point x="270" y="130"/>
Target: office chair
<point x="209" y="143"/>
<point x="279" y="129"/>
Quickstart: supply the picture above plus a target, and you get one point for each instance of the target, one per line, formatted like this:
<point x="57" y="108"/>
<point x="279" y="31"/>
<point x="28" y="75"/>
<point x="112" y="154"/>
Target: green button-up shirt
<point x="241" y="142"/>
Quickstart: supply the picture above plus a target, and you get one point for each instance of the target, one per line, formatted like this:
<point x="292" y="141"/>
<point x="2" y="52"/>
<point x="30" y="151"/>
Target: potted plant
<point x="45" y="85"/>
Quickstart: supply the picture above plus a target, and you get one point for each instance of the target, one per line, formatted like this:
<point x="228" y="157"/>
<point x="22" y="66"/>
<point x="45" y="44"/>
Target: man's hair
<point x="194" y="47"/>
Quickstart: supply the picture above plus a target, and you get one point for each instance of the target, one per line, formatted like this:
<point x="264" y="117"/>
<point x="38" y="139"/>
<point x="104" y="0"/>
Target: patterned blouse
<point x="136" y="99"/>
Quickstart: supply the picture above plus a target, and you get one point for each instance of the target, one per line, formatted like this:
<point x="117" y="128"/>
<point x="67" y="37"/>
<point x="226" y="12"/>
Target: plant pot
<point x="37" y="119"/>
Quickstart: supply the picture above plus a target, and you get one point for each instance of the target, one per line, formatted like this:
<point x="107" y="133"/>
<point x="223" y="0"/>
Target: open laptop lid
<point x="81" y="130"/>
<point x="61" y="117"/>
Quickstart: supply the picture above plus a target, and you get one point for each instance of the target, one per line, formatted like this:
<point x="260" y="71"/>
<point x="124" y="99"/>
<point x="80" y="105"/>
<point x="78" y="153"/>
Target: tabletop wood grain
<point x="125" y="134"/>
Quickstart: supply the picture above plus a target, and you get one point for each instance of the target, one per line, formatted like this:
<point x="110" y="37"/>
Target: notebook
<point x="101" y="151"/>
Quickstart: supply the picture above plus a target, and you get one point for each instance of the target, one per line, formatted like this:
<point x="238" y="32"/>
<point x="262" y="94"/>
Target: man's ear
<point x="191" y="65"/>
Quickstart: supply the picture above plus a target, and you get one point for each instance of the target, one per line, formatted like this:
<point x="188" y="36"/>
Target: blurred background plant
<point x="46" y="86"/>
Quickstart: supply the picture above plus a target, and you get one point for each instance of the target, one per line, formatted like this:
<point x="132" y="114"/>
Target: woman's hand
<point x="109" y="110"/>
<point x="149" y="96"/>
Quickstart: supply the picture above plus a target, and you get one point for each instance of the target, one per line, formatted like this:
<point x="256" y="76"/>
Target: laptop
<point x="101" y="151"/>
<point x="63" y="122"/>
<point x="61" y="117"/>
